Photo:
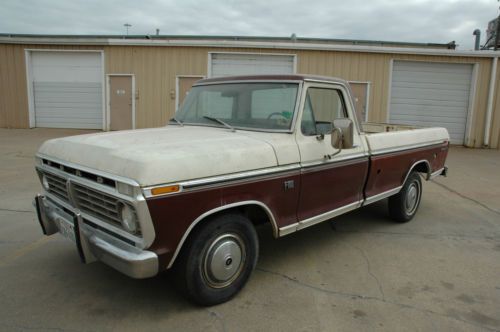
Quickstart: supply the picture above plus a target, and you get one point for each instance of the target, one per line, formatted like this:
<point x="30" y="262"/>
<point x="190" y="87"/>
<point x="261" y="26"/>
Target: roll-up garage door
<point x="431" y="95"/>
<point x="229" y="64"/>
<point x="67" y="89"/>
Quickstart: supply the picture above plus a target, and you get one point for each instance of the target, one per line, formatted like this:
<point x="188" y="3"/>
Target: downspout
<point x="489" y="107"/>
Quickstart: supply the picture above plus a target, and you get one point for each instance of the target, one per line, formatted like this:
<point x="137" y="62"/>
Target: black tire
<point x="404" y="205"/>
<point x="218" y="259"/>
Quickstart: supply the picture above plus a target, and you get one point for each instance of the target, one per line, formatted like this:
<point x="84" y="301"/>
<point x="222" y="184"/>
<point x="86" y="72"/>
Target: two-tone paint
<point x="287" y="179"/>
<point x="319" y="193"/>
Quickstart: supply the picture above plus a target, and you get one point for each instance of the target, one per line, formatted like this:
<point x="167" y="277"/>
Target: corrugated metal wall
<point x="155" y="69"/>
<point x="495" y="127"/>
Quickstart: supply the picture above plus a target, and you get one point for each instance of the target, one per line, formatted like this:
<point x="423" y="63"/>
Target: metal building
<point x="118" y="82"/>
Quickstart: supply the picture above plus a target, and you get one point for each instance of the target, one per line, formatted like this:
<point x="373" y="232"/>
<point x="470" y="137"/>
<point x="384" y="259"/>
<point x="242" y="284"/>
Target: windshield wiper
<point x="177" y="121"/>
<point x="220" y="122"/>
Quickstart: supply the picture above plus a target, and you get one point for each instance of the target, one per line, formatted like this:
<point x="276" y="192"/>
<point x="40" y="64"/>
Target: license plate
<point x="66" y="229"/>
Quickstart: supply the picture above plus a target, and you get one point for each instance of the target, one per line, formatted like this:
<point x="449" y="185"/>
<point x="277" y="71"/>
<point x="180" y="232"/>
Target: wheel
<point x="218" y="259"/>
<point x="404" y="205"/>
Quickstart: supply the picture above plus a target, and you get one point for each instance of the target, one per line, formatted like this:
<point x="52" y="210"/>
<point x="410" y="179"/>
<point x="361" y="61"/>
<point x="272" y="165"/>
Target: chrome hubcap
<point x="412" y="197"/>
<point x="224" y="260"/>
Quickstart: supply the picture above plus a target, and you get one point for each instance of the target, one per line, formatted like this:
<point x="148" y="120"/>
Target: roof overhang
<point x="242" y="44"/>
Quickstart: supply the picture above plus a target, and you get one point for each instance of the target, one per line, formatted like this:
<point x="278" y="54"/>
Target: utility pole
<point x="127" y="25"/>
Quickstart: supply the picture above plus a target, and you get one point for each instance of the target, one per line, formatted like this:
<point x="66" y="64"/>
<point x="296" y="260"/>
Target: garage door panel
<point x="431" y="66"/>
<point x="428" y="110"/>
<point x="70" y="125"/>
<point x="436" y="94"/>
<point x="426" y="102"/>
<point x="84" y="113"/>
<point x="425" y="118"/>
<point x="420" y="77"/>
<point x="67" y="89"/>
<point x="431" y="94"/>
<point x="431" y="86"/>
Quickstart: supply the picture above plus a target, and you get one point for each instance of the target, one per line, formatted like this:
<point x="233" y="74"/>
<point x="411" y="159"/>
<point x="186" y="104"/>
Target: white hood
<point x="164" y="155"/>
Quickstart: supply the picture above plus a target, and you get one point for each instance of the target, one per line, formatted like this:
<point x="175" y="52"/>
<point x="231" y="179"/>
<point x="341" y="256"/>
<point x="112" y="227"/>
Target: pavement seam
<point x="14" y="210"/>
<point x="467" y="197"/>
<point x="35" y="328"/>
<point x="369" y="270"/>
<point x="371" y="298"/>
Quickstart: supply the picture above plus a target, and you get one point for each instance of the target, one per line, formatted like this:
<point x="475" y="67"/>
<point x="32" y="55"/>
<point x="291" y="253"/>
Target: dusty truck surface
<point x="241" y="151"/>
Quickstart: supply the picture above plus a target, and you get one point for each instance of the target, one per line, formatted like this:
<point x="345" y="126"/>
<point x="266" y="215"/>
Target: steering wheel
<point x="276" y="113"/>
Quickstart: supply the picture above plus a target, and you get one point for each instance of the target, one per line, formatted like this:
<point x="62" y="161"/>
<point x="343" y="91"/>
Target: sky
<point x="437" y="21"/>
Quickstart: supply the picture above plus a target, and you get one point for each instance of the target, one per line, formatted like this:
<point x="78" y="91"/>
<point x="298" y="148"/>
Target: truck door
<point x="331" y="184"/>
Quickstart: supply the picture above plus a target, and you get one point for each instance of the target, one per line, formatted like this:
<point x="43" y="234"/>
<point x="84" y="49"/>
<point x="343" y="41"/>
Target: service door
<point x="120" y="102"/>
<point x="329" y="184"/>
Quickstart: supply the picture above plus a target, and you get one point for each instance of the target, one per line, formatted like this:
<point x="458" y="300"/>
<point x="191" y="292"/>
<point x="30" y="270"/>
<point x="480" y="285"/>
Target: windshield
<point x="266" y="106"/>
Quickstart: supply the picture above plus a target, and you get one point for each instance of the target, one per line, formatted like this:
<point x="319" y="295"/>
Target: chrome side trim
<point x="288" y="229"/>
<point x="222" y="179"/>
<point x="429" y="169"/>
<point x="381" y="196"/>
<point x="213" y="180"/>
<point x="436" y="173"/>
<point x="218" y="209"/>
<point x="405" y="147"/>
<point x="336" y="162"/>
<point x="319" y="218"/>
<point x="328" y="215"/>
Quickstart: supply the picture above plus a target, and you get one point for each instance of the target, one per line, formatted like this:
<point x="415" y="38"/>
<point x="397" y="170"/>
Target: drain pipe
<point x="489" y="107"/>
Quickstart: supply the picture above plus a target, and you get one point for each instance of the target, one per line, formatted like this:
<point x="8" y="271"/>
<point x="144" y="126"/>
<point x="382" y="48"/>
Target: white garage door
<point x="227" y="64"/>
<point x="67" y="89"/>
<point x="431" y="94"/>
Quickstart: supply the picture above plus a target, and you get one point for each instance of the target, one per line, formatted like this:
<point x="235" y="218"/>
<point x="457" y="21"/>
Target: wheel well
<point x="422" y="167"/>
<point x="256" y="213"/>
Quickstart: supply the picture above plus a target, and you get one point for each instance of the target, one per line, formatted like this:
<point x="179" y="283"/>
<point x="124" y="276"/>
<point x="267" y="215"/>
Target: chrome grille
<point x="57" y="186"/>
<point x="97" y="204"/>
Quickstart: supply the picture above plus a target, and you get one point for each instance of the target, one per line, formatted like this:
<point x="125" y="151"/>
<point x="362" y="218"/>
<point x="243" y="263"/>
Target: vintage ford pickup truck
<point x="241" y="151"/>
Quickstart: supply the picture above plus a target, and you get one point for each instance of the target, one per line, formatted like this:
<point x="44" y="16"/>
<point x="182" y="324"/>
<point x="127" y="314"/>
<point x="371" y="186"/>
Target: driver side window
<point x="322" y="106"/>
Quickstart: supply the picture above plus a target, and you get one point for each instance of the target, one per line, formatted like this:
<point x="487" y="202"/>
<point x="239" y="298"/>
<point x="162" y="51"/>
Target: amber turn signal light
<point x="165" y="190"/>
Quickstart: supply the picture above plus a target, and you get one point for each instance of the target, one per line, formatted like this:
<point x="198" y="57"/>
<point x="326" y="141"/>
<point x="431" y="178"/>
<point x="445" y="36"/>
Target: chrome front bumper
<point x="93" y="244"/>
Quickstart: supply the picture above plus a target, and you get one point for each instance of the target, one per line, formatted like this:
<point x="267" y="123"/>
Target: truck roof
<point x="297" y="77"/>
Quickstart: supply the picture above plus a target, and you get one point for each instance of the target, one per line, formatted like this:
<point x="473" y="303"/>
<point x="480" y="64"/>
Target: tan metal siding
<point x="495" y="119"/>
<point x="376" y="67"/>
<point x="13" y="97"/>
<point x="156" y="68"/>
<point x="13" y="87"/>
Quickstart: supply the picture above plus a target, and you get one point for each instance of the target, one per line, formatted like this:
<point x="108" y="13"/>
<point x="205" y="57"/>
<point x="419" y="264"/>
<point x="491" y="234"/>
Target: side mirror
<point x="343" y="134"/>
<point x="337" y="138"/>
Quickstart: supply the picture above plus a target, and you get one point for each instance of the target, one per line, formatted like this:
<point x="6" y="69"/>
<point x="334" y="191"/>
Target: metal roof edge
<point x="247" y="44"/>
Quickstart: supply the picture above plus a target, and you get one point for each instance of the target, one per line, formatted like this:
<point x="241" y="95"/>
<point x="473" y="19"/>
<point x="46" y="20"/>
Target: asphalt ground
<point x="358" y="272"/>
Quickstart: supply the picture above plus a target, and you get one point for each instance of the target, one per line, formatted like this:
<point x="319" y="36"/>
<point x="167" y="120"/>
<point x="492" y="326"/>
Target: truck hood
<point x="164" y="155"/>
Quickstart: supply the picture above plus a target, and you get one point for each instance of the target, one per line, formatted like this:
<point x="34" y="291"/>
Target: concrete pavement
<point x="441" y="271"/>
